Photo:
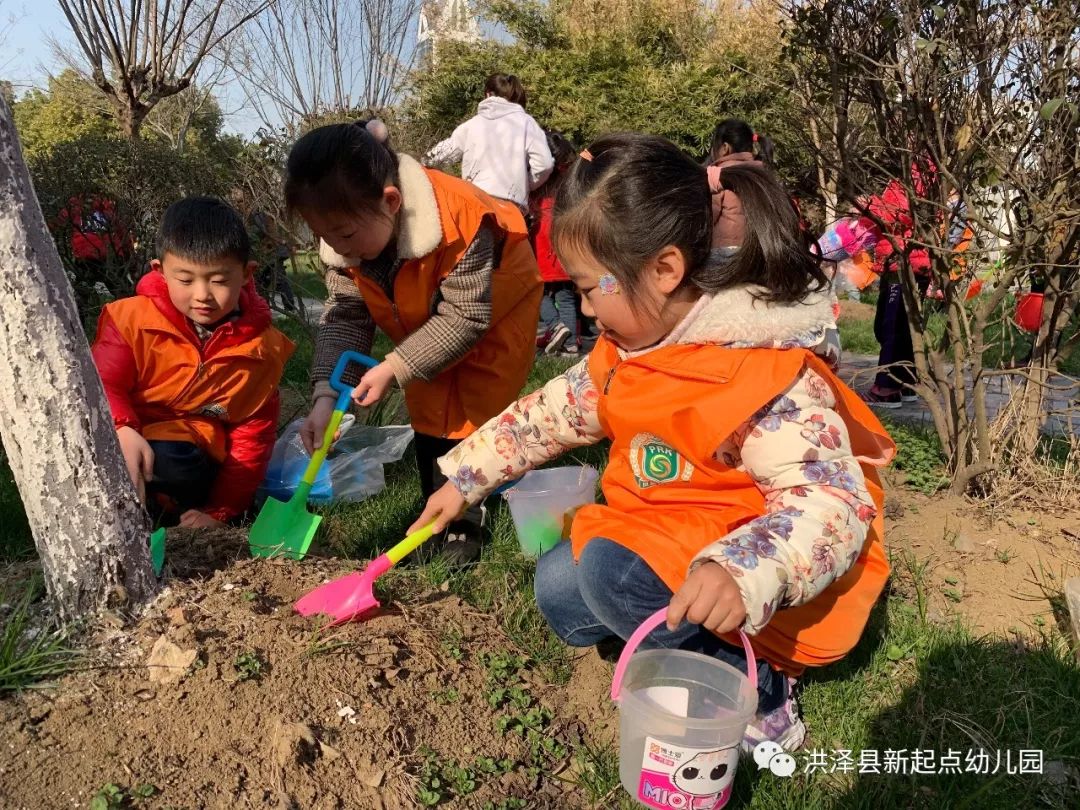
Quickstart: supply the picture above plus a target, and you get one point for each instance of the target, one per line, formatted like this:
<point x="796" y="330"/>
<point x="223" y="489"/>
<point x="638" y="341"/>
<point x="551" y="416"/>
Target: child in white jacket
<point x="502" y="149"/>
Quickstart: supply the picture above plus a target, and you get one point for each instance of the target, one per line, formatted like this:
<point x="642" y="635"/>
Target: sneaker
<point x="782" y="725"/>
<point x="460" y="549"/>
<point x="908" y="395"/>
<point x="876" y="398"/>
<point x="558" y="338"/>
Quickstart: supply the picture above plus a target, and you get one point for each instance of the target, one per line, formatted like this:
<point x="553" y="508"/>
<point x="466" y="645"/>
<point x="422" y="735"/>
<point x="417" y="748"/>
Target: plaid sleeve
<point x="346" y="324"/>
<point x="462" y="313"/>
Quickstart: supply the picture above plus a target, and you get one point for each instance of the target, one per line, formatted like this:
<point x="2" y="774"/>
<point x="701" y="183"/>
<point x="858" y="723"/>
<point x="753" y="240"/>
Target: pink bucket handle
<point x="647" y="627"/>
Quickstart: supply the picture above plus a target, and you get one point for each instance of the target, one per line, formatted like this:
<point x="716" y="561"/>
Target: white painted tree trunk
<point x="55" y="423"/>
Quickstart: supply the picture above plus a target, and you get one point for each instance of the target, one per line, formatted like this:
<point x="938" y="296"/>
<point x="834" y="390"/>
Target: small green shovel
<point x="157" y="550"/>
<point x="287" y="527"/>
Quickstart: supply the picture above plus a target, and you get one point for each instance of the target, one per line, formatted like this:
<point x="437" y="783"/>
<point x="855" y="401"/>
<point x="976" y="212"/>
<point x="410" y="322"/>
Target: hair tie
<point x="755" y="137"/>
<point x="586" y="155"/>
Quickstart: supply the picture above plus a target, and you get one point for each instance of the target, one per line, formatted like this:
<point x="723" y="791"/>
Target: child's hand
<point x="709" y="597"/>
<point x="313" y="428"/>
<point x="138" y="457"/>
<point x="194" y="519"/>
<point x="442" y="507"/>
<point x="373" y="385"/>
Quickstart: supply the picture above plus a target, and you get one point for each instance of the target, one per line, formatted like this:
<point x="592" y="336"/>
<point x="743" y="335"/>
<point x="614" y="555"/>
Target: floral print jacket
<point x="796" y="449"/>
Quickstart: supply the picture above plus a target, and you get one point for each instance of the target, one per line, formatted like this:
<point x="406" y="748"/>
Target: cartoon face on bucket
<point x="686" y="778"/>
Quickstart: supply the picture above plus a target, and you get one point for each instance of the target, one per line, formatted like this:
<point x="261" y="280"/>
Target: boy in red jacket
<point x="191" y="366"/>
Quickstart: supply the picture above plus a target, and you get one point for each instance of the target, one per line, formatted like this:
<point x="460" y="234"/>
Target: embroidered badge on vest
<point x="654" y="462"/>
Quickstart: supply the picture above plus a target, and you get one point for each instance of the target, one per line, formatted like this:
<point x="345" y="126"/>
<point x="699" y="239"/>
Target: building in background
<point x="444" y="21"/>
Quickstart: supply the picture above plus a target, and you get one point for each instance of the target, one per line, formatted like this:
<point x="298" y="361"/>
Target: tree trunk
<point x="55" y="423"/>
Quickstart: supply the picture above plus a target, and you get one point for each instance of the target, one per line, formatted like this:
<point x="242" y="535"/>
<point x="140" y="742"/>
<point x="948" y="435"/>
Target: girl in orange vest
<point x="445" y="270"/>
<point x="741" y="488"/>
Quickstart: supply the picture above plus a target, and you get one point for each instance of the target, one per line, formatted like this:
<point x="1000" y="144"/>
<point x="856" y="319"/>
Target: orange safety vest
<point x="182" y="394"/>
<point x="491" y="375"/>
<point x="668" y="497"/>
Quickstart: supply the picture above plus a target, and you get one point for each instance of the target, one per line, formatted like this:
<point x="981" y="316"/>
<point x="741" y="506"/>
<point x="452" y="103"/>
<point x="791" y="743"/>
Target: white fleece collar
<point x="419" y="228"/>
<point x="735" y="319"/>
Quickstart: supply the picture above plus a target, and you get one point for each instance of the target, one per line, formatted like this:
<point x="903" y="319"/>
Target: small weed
<point x="1004" y="555"/>
<point x="443" y="780"/>
<point x="918" y="454"/>
<point x="248" y="666"/>
<point x="506" y="804"/>
<point x="952" y="580"/>
<point x="451" y="643"/>
<point x="952" y="594"/>
<point x="494" y="767"/>
<point x="249" y="596"/>
<point x="1039" y="621"/>
<point x="144" y="791"/>
<point x="502" y="666"/>
<point x="108" y="797"/>
<point x="446" y="696"/>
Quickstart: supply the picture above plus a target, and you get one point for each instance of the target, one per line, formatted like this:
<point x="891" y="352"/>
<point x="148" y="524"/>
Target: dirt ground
<point x="248" y="705"/>
<point x="991" y="568"/>
<point x="251" y="707"/>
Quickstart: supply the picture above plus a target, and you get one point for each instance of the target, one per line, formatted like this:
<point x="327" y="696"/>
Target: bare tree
<point x="89" y="528"/>
<point x="303" y="60"/>
<point x="960" y="104"/>
<point x="141" y="52"/>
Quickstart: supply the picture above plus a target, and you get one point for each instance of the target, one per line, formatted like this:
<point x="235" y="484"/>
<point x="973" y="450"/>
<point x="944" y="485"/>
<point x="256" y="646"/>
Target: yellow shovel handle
<point x="409" y="544"/>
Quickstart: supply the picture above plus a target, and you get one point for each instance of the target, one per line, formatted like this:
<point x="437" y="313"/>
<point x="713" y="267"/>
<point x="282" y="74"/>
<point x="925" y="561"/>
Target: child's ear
<point x="155" y="265"/>
<point x="249" y="270"/>
<point x="668" y="269"/>
<point x="392" y="199"/>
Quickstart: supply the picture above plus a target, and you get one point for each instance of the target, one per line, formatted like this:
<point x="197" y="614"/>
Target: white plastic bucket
<point x="541" y="501"/>
<point x="682" y="716"/>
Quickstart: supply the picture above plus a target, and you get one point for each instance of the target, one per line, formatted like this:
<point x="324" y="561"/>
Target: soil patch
<point x="248" y="705"/>
<point x="990" y="568"/>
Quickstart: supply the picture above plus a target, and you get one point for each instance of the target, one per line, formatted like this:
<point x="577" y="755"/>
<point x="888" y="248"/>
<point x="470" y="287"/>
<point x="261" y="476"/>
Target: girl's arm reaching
<point x="797" y="450"/>
<point x="534" y="430"/>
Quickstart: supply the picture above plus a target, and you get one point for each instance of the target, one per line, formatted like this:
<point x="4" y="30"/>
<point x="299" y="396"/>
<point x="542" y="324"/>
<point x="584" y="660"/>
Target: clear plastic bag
<point x="353" y="469"/>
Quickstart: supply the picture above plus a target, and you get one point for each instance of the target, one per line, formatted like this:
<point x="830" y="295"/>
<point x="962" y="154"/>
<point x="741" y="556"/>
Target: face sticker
<point x="608" y="284"/>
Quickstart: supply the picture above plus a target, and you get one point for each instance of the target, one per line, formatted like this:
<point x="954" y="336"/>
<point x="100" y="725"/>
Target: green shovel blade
<point x="284" y="527"/>
<point x="157" y="551"/>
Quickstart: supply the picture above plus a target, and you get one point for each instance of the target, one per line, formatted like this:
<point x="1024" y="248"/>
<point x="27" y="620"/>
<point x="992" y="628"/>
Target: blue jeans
<point x="558" y="304"/>
<point x="611" y="591"/>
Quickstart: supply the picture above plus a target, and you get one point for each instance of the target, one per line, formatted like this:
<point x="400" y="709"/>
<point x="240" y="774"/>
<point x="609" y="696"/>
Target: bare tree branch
<point x="303" y="60"/>
<point x="142" y="51"/>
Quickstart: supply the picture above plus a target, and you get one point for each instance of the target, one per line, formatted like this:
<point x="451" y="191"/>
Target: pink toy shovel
<point x="352" y="595"/>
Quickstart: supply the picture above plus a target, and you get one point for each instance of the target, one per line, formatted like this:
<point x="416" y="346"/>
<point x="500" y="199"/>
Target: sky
<point x="27" y="59"/>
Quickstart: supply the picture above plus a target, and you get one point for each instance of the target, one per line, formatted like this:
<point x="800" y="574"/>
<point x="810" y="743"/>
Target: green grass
<point x="305" y="274"/>
<point x="857" y="336"/>
<point x="16" y="542"/>
<point x="29" y="652"/>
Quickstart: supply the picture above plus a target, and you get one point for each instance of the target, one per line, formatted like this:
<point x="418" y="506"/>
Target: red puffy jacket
<point x="96" y="230"/>
<point x="221" y="395"/>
